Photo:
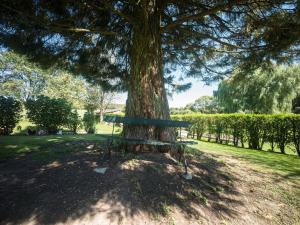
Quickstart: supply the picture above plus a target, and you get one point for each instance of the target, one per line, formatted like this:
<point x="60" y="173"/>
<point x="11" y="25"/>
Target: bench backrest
<point x="146" y="122"/>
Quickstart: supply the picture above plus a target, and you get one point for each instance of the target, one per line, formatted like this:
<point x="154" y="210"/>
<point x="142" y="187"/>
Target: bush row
<point x="254" y="129"/>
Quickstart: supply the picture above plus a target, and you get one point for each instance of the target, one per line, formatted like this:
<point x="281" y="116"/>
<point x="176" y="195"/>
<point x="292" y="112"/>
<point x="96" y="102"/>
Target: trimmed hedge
<point x="255" y="129"/>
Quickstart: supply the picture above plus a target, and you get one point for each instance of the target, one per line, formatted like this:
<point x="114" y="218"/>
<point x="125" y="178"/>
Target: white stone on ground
<point x="187" y="176"/>
<point x="101" y="170"/>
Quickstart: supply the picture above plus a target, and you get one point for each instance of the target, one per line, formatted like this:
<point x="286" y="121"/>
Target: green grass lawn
<point x="12" y="146"/>
<point x="289" y="164"/>
<point x="266" y="147"/>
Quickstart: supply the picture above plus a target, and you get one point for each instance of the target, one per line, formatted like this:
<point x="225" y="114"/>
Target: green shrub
<point x="48" y="113"/>
<point x="74" y="121"/>
<point x="270" y="123"/>
<point x="10" y="113"/>
<point x="282" y="131"/>
<point x="89" y="122"/>
<point x="295" y="132"/>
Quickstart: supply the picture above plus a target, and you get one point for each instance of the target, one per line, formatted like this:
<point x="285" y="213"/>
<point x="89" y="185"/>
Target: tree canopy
<point x="94" y="38"/>
<point x="264" y="91"/>
<point x="20" y="78"/>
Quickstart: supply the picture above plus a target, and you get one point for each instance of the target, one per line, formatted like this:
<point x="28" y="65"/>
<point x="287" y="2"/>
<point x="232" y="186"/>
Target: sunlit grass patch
<point x="264" y="160"/>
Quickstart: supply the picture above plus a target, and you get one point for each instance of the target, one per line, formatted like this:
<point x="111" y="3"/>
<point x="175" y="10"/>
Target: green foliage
<point x="48" y="113"/>
<point x="60" y="84"/>
<point x="89" y="122"/>
<point x="257" y="129"/>
<point x="205" y="104"/>
<point x="27" y="80"/>
<point x="74" y="121"/>
<point x="199" y="37"/>
<point x="295" y="130"/>
<point x="10" y="111"/>
<point x="98" y="99"/>
<point x="262" y="91"/>
<point x="20" y="78"/>
<point x="102" y="40"/>
<point x="175" y="111"/>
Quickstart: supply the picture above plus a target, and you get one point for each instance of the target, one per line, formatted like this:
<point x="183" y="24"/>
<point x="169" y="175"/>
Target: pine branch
<point x="180" y="20"/>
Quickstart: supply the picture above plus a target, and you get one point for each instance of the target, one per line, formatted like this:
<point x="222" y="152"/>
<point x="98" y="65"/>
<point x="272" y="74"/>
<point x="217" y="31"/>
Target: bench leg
<point x="109" y="144"/>
<point x="185" y="165"/>
<point x="181" y="151"/>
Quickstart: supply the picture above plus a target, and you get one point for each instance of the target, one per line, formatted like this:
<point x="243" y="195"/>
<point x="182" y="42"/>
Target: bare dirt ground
<point x="142" y="189"/>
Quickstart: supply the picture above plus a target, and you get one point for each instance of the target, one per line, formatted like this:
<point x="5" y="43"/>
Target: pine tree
<point x="135" y="44"/>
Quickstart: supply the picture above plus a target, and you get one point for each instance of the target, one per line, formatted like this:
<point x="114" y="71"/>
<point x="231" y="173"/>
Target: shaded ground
<point x="57" y="185"/>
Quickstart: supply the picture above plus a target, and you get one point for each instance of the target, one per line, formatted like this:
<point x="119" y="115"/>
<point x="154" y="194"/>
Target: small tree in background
<point x="10" y="110"/>
<point x="205" y="104"/>
<point x="21" y="78"/>
<point x="98" y="99"/>
<point x="74" y="121"/>
<point x="89" y="121"/>
<point x="48" y="113"/>
<point x="262" y="91"/>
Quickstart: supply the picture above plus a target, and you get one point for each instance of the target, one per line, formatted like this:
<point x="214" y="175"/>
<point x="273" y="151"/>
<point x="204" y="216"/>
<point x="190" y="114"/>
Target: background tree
<point x="10" y="110"/>
<point x="134" y="44"/>
<point x="205" y="104"/>
<point x="98" y="99"/>
<point x="20" y="78"/>
<point x="64" y="85"/>
<point x="263" y="91"/>
<point x="89" y="121"/>
<point x="74" y="121"/>
<point x="25" y="80"/>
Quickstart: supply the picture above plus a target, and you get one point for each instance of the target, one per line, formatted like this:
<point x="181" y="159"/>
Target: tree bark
<point x="146" y="91"/>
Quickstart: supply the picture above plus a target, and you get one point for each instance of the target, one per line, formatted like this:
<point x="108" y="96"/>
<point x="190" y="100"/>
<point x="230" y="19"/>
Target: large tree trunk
<point x="146" y="93"/>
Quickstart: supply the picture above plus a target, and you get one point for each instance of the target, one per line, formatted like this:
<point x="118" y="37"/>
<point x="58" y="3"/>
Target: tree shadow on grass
<point x="18" y="146"/>
<point x="65" y="188"/>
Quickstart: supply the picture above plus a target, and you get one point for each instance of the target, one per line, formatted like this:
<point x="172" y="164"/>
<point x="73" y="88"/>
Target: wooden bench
<point x="179" y="144"/>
